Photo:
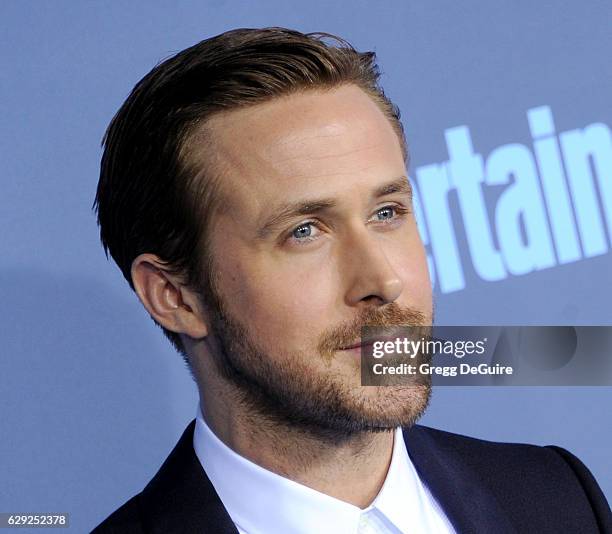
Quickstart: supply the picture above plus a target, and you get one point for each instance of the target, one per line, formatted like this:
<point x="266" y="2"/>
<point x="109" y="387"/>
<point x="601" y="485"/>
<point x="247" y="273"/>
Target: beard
<point x="283" y="389"/>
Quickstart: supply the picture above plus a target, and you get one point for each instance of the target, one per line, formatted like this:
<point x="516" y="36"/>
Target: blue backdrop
<point x="506" y="107"/>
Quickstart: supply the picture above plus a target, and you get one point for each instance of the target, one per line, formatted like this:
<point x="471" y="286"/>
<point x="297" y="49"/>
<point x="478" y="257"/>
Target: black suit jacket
<point x="482" y="486"/>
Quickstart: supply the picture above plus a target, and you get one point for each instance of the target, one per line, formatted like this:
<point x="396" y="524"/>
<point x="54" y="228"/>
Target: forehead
<point x="309" y="141"/>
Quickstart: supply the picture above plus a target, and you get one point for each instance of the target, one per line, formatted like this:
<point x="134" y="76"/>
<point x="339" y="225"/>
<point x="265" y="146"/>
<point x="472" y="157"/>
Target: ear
<point x="172" y="304"/>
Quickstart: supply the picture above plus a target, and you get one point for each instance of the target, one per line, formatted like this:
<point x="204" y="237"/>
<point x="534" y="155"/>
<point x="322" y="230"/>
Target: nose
<point x="370" y="275"/>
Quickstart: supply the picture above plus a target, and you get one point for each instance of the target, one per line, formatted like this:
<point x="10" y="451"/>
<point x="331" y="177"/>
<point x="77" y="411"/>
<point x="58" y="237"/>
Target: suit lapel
<point x="181" y="499"/>
<point x="463" y="497"/>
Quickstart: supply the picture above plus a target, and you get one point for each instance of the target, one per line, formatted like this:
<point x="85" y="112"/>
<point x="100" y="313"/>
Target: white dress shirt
<point x="262" y="502"/>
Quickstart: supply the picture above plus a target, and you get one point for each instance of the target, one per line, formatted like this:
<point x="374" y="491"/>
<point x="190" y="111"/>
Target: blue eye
<point x="389" y="210"/>
<point x="304" y="230"/>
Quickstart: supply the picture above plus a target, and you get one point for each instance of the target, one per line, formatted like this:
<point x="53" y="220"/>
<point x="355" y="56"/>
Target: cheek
<point x="282" y="305"/>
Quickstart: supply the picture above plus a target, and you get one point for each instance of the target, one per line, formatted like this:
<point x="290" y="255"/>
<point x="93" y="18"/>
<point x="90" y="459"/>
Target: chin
<point x="388" y="407"/>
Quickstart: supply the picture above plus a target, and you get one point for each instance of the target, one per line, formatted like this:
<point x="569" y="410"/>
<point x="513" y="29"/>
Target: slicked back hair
<point x="156" y="192"/>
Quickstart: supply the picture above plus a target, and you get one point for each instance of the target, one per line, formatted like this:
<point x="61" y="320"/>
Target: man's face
<point x="295" y="287"/>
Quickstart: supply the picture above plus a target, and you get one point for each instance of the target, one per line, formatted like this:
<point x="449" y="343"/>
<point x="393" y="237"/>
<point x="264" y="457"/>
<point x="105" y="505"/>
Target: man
<point x="253" y="192"/>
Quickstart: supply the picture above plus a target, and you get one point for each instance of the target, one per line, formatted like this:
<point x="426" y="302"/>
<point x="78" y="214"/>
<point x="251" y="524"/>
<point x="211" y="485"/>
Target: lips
<point x="357" y="345"/>
<point x="368" y="343"/>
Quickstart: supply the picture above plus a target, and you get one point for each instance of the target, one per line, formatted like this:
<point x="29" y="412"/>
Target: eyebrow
<point x="288" y="210"/>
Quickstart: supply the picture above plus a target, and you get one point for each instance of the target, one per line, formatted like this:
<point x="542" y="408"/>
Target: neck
<point x="352" y="470"/>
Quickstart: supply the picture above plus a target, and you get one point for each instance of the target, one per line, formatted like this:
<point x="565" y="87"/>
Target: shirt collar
<point x="260" y="501"/>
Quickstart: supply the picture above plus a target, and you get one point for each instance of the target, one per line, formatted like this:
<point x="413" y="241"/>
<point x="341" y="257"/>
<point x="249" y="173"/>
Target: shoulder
<point x="179" y="498"/>
<point x="531" y="478"/>
<point x="124" y="520"/>
<point x="500" y="456"/>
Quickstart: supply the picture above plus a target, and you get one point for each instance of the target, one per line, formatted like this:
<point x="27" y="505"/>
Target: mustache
<point x="389" y="316"/>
